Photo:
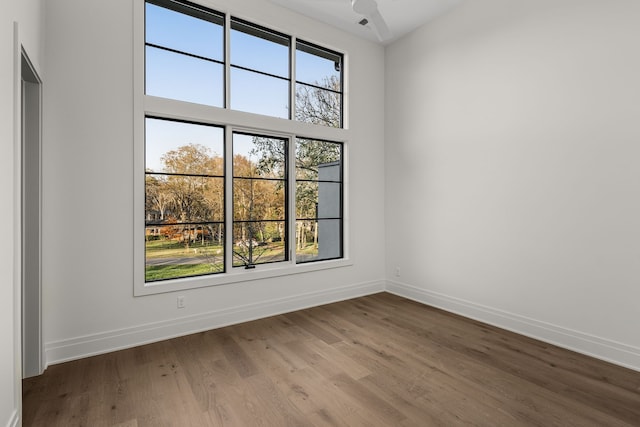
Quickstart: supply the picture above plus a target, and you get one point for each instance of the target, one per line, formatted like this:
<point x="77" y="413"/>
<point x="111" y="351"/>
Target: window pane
<point x="318" y="106"/>
<point x="317" y="70"/>
<point x="313" y="156"/>
<point x="201" y="36"/>
<point x="318" y="200"/>
<point x="173" y="251"/>
<point x="258" y="242"/>
<point x="258" y="156"/>
<point x="184" y="78"/>
<point x="179" y="147"/>
<point x="260" y="94"/>
<point x="318" y="240"/>
<point x="318" y="85"/>
<point x="257" y="199"/>
<point x="259" y="49"/>
<point x="184" y="198"/>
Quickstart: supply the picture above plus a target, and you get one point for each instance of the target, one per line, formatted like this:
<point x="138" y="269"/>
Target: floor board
<point x="379" y="360"/>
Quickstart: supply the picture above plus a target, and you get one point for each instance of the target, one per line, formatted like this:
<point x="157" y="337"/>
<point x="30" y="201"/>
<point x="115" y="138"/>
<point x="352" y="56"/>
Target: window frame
<point x="232" y="121"/>
<point x="317" y="217"/>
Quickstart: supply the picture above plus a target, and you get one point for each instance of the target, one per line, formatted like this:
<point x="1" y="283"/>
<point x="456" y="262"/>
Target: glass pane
<point x="180" y="31"/>
<point x="184" y="78"/>
<point x="258" y="243"/>
<point x="260" y="50"/>
<point x="318" y="106"/>
<point x="178" y="147"/>
<point x="319" y="240"/>
<point x="258" y="199"/>
<point x="184" y="199"/>
<point x="317" y="70"/>
<point x="174" y="251"/>
<point x="259" y="156"/>
<point x="318" y="160"/>
<point x="318" y="200"/>
<point x="260" y="94"/>
<point x="306" y="199"/>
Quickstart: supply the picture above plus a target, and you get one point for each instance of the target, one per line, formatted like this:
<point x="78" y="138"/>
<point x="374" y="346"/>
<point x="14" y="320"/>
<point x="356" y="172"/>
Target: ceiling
<point x="401" y="16"/>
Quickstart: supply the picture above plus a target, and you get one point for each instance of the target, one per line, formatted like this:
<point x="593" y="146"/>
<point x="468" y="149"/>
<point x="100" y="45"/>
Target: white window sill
<point x="236" y="275"/>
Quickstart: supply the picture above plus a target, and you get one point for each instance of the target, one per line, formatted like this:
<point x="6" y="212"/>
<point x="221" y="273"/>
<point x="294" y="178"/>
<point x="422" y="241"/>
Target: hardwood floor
<point x="379" y="360"/>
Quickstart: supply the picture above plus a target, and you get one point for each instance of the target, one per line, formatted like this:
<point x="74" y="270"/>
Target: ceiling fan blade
<point x="379" y="25"/>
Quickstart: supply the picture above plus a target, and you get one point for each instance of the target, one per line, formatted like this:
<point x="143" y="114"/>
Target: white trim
<point x="590" y="345"/>
<point x="89" y="345"/>
<point x="17" y="225"/>
<point x="14" y="420"/>
<point x="27" y="369"/>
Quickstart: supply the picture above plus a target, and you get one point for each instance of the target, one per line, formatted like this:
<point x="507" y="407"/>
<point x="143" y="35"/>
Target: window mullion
<point x="291" y="174"/>
<point x="227" y="62"/>
<point x="228" y="199"/>
<point x="292" y="81"/>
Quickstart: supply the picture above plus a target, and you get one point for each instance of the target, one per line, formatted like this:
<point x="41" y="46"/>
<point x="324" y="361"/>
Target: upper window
<point x="318" y="85"/>
<point x="185" y="61"/>
<point x="184" y="52"/>
<point x="259" y="70"/>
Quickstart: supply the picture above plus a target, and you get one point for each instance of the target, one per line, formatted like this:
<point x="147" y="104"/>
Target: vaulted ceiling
<point x="401" y="16"/>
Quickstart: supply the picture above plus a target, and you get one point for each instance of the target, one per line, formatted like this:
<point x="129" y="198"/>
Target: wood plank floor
<point x="379" y="360"/>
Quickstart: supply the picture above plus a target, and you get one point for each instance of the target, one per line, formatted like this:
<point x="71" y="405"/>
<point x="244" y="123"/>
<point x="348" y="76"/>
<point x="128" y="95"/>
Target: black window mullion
<point x="240" y="67"/>
<point x="339" y="92"/>
<point x="180" y="52"/>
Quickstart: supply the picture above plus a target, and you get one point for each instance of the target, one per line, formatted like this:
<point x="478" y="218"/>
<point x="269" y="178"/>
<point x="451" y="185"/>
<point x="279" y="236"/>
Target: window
<point x="259" y="70"/>
<point x="229" y="196"/>
<point x="318" y="200"/>
<point x="318" y="85"/>
<point x="184" y="199"/>
<point x="184" y="52"/>
<point x="259" y="199"/>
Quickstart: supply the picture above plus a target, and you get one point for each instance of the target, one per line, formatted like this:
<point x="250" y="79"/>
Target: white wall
<point x="88" y="194"/>
<point x="512" y="178"/>
<point x="28" y="15"/>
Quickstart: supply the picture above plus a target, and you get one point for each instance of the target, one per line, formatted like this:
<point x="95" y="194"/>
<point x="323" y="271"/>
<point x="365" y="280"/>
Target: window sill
<point x="236" y="275"/>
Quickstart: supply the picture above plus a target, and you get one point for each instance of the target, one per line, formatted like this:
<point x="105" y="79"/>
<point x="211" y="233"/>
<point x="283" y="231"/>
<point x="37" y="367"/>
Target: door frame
<point x="31" y="217"/>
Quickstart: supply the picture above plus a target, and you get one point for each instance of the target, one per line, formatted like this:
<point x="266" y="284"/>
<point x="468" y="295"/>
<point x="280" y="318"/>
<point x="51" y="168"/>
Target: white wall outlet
<point x="397" y="271"/>
<point x="181" y="302"/>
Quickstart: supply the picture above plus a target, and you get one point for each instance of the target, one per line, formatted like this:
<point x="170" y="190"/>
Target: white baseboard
<point x="91" y="345"/>
<point x="600" y="348"/>
<point x="14" y="421"/>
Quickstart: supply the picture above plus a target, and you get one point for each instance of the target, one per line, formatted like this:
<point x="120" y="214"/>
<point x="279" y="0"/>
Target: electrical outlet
<point x="397" y="271"/>
<point x="180" y="302"/>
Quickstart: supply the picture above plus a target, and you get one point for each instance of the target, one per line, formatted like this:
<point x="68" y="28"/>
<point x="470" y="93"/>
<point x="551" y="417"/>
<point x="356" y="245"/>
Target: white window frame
<point x="231" y="120"/>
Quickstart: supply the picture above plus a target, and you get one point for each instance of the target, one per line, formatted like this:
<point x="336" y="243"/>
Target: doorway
<point x="31" y="233"/>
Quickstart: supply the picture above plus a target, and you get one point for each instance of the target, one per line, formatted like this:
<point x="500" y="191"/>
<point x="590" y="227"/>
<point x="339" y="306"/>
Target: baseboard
<point x="91" y="345"/>
<point x="600" y="348"/>
<point x="14" y="421"/>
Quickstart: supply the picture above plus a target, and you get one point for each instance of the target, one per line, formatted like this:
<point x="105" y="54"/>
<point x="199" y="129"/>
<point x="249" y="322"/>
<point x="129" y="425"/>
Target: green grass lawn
<point x="201" y="258"/>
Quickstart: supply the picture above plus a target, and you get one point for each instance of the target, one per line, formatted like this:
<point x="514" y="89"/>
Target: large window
<point x="227" y="195"/>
